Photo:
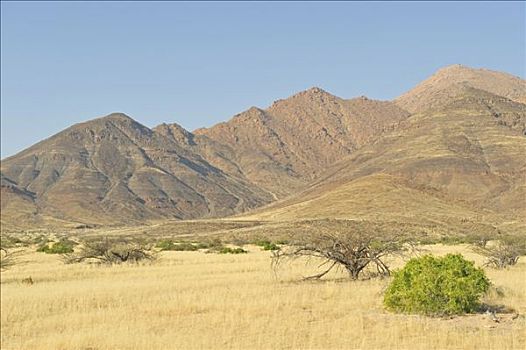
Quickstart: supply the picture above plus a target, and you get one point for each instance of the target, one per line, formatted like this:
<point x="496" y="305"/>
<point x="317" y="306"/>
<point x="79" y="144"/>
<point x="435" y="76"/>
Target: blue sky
<point x="200" y="63"/>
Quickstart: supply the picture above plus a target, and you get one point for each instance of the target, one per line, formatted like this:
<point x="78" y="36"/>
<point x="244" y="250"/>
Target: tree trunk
<point x="354" y="270"/>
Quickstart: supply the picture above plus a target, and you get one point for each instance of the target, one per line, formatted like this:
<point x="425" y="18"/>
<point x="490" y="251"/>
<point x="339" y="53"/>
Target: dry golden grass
<point x="192" y="300"/>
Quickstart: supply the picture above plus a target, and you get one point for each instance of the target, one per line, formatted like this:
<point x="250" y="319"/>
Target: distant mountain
<point x="456" y="168"/>
<point x="436" y="91"/>
<point x="446" y="154"/>
<point x="289" y="144"/>
<point x="115" y="170"/>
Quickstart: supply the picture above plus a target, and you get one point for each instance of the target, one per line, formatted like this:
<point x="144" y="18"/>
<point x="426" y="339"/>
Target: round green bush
<point x="62" y="247"/>
<point x="437" y="286"/>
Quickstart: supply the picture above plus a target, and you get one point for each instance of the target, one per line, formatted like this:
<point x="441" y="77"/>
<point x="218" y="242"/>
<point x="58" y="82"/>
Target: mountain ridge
<point x="114" y="170"/>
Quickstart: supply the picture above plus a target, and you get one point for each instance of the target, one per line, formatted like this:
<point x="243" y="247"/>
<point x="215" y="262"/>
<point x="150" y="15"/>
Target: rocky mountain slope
<point x="115" y="170"/>
<point x="289" y="144"/>
<point x="463" y="164"/>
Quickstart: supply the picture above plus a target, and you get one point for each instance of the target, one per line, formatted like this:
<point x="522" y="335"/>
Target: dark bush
<point x="437" y="286"/>
<point x="228" y="250"/>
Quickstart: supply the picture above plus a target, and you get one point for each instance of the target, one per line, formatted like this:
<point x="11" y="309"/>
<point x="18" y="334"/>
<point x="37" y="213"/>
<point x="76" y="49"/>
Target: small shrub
<point x="437" y="286"/>
<point x="185" y="247"/>
<point x="180" y="247"/>
<point x="267" y="245"/>
<point x="165" y="245"/>
<point x="228" y="250"/>
<point x="62" y="247"/>
<point x="111" y="251"/>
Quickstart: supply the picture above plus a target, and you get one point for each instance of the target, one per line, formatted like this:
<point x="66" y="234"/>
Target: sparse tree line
<point x="117" y="250"/>
<point x="353" y="246"/>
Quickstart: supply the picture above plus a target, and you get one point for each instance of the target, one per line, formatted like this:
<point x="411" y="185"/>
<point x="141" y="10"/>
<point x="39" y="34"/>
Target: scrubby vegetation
<point x="503" y="252"/>
<point x="167" y="245"/>
<point x="228" y="250"/>
<point x="211" y="246"/>
<point x="437" y="286"/>
<point x="61" y="247"/>
<point x="111" y="251"/>
<point x="8" y="241"/>
<point x="267" y="245"/>
<point x="7" y="259"/>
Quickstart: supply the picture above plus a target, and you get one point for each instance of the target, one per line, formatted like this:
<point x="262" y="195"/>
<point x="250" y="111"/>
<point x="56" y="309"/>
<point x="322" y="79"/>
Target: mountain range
<point x="449" y="153"/>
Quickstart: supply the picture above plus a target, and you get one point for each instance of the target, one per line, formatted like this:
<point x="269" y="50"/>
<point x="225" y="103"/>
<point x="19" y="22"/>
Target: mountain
<point x="452" y="168"/>
<point x="115" y="170"/>
<point x="436" y="91"/>
<point x="284" y="147"/>
<point x="446" y="156"/>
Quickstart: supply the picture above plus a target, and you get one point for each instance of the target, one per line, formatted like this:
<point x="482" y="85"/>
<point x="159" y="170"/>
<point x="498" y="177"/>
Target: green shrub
<point x="185" y="247"/>
<point x="165" y="245"/>
<point x="62" y="247"/>
<point x="267" y="245"/>
<point x="228" y="250"/>
<point x="180" y="247"/>
<point x="437" y="286"/>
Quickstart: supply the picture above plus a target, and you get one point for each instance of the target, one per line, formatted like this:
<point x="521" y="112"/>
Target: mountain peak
<point x="439" y="87"/>
<point x="116" y="116"/>
<point x="454" y="67"/>
<point x="316" y="90"/>
<point x="175" y="132"/>
<point x="313" y="91"/>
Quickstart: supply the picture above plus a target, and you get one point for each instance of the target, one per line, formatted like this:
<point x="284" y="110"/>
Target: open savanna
<point x="193" y="300"/>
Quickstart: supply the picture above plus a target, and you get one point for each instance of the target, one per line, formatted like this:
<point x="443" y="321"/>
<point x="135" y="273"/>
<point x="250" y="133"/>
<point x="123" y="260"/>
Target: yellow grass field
<point x="192" y="300"/>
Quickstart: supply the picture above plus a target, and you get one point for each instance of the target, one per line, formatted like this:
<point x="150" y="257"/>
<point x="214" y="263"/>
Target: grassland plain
<point x="192" y="300"/>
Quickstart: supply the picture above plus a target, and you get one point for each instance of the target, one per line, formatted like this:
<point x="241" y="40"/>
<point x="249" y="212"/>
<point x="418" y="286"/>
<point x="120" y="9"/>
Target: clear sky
<point x="200" y="63"/>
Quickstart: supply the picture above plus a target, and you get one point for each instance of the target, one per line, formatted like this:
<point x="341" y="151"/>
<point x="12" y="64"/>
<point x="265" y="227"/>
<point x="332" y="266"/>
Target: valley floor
<point x="192" y="300"/>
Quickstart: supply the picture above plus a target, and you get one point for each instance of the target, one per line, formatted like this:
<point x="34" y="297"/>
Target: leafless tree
<point x="110" y="251"/>
<point x="7" y="259"/>
<point x="503" y="252"/>
<point x="351" y="245"/>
